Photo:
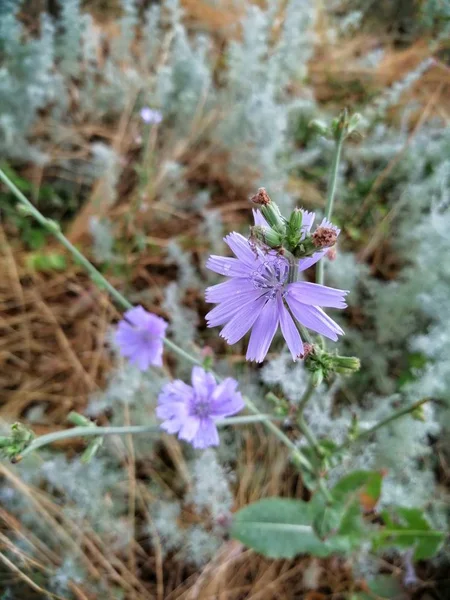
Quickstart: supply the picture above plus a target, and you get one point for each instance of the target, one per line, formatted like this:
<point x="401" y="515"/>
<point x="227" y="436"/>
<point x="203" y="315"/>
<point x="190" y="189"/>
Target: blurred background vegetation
<point x="237" y="84"/>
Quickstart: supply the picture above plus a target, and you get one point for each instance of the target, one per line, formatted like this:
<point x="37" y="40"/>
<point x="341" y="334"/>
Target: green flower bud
<point x="91" y="450"/>
<point x="53" y="226"/>
<point x="20" y="438"/>
<point x="320" y="127"/>
<point x="353" y="123"/>
<point x="345" y="364"/>
<point x="294" y="228"/>
<point x="270" y="211"/>
<point x="267" y="236"/>
<point x="79" y="420"/>
<point x="418" y="414"/>
<point x="317" y="377"/>
<point x="23" y="210"/>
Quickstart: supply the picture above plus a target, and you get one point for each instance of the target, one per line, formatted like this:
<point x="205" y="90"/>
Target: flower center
<point x="201" y="408"/>
<point x="271" y="276"/>
<point x="146" y="335"/>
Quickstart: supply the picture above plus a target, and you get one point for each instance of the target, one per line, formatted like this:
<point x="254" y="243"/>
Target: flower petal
<point x="222" y="291"/>
<point x="189" y="428"/>
<point x="202" y="382"/>
<point x="241" y="248"/>
<point x="225" y="401"/>
<point x="314" y="318"/>
<point x="314" y="294"/>
<point x="259" y="219"/>
<point x="289" y="330"/>
<point x="307" y="220"/>
<point x="207" y="435"/>
<point x="263" y="331"/>
<point x="227" y="309"/>
<point x="305" y="263"/>
<point x="235" y="329"/>
<point x="230" y="267"/>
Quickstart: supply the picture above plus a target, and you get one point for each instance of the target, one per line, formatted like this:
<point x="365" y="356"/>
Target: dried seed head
<point x="324" y="237"/>
<point x="261" y="197"/>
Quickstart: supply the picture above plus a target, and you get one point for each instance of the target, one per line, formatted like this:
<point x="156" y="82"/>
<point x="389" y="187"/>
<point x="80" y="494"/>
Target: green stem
<point x="393" y="417"/>
<point x="332" y="184"/>
<point x="309" y="435"/>
<point x="93" y="430"/>
<point x="99" y="279"/>
<point x="284" y="438"/>
<point x="306" y="397"/>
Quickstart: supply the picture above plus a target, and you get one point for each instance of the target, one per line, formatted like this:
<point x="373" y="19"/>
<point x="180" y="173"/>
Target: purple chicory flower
<point x="140" y="336"/>
<point x="258" y="296"/>
<point x="191" y="411"/>
<point x="150" y="115"/>
<point x="307" y="223"/>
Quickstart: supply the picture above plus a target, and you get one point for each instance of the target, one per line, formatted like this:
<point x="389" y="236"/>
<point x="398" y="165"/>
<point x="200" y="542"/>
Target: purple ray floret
<point x="191" y="410"/>
<point x="259" y="297"/>
<point x="140" y="336"/>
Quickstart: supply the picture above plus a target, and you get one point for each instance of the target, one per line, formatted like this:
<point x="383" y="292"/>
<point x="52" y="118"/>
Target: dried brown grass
<point x="53" y="329"/>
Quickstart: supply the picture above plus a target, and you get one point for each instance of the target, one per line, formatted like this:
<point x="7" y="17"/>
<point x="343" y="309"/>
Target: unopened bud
<point x="20" y="438"/>
<point x="270" y="211"/>
<point x="53" y="226"/>
<point x="317" y="377"/>
<point x="353" y="123"/>
<point x="267" y="236"/>
<point x="79" y="420"/>
<point x="24" y="210"/>
<point x="91" y="450"/>
<point x="320" y="127"/>
<point x="418" y="414"/>
<point x="294" y="228"/>
<point x="346" y="365"/>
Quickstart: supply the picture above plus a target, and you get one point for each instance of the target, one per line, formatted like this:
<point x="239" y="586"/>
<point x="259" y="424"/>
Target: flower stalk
<point x="340" y="133"/>
<point x="90" y="429"/>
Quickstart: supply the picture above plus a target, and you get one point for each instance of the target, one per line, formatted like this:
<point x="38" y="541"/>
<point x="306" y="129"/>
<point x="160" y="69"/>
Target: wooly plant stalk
<point x="263" y="292"/>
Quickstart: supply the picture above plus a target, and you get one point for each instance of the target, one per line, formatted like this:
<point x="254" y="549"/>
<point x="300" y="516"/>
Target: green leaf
<point x="278" y="528"/>
<point x="386" y="586"/>
<point x="352" y="482"/>
<point x="52" y="261"/>
<point x="406" y="528"/>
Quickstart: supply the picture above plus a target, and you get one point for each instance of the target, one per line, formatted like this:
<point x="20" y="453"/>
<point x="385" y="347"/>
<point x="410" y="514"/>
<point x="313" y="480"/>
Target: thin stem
<point x="309" y="435"/>
<point x="284" y="438"/>
<point x="100" y="280"/>
<point x="393" y="417"/>
<point x="332" y="184"/>
<point x="306" y="397"/>
<point x="92" y="430"/>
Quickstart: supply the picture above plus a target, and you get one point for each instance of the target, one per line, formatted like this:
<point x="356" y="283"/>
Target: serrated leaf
<point x="278" y="528"/>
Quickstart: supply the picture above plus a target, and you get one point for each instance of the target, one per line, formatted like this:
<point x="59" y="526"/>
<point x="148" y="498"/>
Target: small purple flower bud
<point x="150" y="115"/>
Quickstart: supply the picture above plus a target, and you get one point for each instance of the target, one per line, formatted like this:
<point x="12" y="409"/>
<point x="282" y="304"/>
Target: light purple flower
<point x="191" y="411"/>
<point x="307" y="223"/>
<point x="258" y="296"/>
<point x="139" y="336"/>
<point x="150" y="115"/>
